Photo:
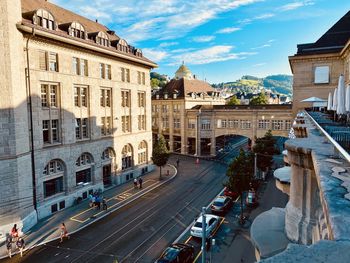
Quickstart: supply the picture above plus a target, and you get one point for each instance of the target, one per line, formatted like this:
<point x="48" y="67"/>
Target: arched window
<point x="138" y="52"/>
<point x="77" y="30"/>
<point x="108" y="154"/>
<point x="127" y="157"/>
<point x="102" y="39"/>
<point x="122" y="45"/>
<point x="45" y="19"/>
<point x="83" y="167"/>
<point x="53" y="180"/>
<point x="142" y="152"/>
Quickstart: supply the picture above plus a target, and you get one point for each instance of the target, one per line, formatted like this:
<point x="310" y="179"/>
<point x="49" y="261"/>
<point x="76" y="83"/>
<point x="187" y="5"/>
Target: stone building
<point x="316" y="66"/>
<point x="170" y="105"/>
<point x="75" y="110"/>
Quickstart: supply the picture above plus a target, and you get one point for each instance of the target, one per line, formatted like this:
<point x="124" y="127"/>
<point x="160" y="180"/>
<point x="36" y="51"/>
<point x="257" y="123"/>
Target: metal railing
<point x="337" y="147"/>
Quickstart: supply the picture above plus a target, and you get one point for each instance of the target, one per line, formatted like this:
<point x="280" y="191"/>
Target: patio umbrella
<point x="341" y="95"/>
<point x="335" y="100"/>
<point x="347" y="98"/>
<point x="330" y="100"/>
<point x="313" y="99"/>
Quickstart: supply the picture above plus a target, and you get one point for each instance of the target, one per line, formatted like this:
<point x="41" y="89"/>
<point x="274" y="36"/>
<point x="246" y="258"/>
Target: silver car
<point x="212" y="222"/>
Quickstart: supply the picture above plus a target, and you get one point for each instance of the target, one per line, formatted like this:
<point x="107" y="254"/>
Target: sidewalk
<point x="80" y="216"/>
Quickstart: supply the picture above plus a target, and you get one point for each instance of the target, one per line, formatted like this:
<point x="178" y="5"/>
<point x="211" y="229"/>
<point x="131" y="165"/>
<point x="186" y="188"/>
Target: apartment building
<point x="75" y="110"/>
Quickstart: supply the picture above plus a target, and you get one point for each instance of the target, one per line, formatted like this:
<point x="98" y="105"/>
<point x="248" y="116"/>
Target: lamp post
<point x="204" y="235"/>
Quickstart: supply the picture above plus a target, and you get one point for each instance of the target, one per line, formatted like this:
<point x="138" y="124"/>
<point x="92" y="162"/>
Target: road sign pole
<point x="204" y="236"/>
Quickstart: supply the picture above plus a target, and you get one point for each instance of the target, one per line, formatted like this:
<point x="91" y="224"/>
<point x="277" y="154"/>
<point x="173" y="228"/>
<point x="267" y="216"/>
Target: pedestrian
<point x="140" y="182"/>
<point x="64" y="232"/>
<point x="9" y="245"/>
<point x="98" y="202"/>
<point x="20" y="245"/>
<point x="135" y="183"/>
<point x="177" y="162"/>
<point x="14" y="232"/>
<point x="104" y="204"/>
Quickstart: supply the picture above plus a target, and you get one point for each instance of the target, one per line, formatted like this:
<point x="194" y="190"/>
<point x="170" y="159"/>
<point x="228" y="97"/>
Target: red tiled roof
<point x="185" y="86"/>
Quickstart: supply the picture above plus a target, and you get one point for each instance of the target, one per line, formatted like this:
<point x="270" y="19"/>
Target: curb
<point x="104" y="215"/>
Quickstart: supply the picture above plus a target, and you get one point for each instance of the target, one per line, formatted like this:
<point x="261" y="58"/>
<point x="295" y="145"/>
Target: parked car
<point x="231" y="194"/>
<point x="212" y="222"/>
<point x="221" y="204"/>
<point x="177" y="253"/>
<point x="251" y="199"/>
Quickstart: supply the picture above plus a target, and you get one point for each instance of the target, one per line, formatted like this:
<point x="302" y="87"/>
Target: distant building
<point x="316" y="67"/>
<point x="75" y="110"/>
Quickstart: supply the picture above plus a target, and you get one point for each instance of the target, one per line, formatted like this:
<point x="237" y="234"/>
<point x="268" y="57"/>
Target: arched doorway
<point x="108" y="157"/>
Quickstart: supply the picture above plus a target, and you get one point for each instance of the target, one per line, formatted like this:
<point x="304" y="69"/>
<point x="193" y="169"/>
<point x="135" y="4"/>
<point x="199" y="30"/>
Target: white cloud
<point x="259" y="17"/>
<point x="209" y="55"/>
<point x="259" y="65"/>
<point x="168" y="44"/>
<point x="201" y="39"/>
<point x="260" y="47"/>
<point x="155" y="54"/>
<point x="137" y="20"/>
<point x="295" y="5"/>
<point x="228" y="30"/>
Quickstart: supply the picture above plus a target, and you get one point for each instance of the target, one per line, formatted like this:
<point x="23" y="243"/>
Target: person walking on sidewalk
<point x="64" y="232"/>
<point x="135" y="183"/>
<point x="9" y="245"/>
<point x="14" y="232"/>
<point x="20" y="245"/>
<point x="140" y="182"/>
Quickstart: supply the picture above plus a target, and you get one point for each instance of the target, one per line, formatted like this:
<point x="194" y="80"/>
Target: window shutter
<point x="57" y="64"/>
<point x="42" y="60"/>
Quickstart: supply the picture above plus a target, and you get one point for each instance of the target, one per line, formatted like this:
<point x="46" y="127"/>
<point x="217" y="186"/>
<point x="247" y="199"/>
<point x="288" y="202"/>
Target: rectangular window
<point x="83" y="176"/>
<point x="78" y="129"/>
<point x="176" y="123"/>
<point x="108" y="72"/>
<point x="84" y="127"/>
<point x="54" y="130"/>
<point x="46" y="131"/>
<point x="277" y="124"/>
<point x="223" y="123"/>
<point x="264" y="124"/>
<point x="53" y="95"/>
<point x="143" y="78"/>
<point x="126" y="123"/>
<point x="75" y="66"/>
<point x="42" y="60"/>
<point x="76" y="96"/>
<point x="165" y="121"/>
<point x="138" y="77"/>
<point x="233" y="124"/>
<point x="141" y="122"/>
<point x="191" y="123"/>
<point x="102" y="71"/>
<point x="102" y="97"/>
<point x="108" y="125"/>
<point x="165" y="108"/>
<point x="52" y="187"/>
<point x="103" y="126"/>
<point x="288" y="125"/>
<point x="83" y="67"/>
<point x="245" y="124"/>
<point x="321" y="74"/>
<point x="80" y="96"/>
<point x="125" y="98"/>
<point x="44" y="100"/>
<point x="141" y="99"/>
<point x="205" y="124"/>
<point x="122" y="71"/>
<point x="83" y="95"/>
<point x="127" y="75"/>
<point x="53" y="61"/>
<point x="105" y="97"/>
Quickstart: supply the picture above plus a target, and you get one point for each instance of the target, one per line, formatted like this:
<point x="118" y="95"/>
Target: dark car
<point x="221" y="204"/>
<point x="231" y="194"/>
<point x="177" y="253"/>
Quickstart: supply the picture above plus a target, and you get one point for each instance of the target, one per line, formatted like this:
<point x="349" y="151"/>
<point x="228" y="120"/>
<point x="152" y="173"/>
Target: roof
<point x="64" y="18"/>
<point x="185" y="86"/>
<point x="332" y="41"/>
<point x="207" y="218"/>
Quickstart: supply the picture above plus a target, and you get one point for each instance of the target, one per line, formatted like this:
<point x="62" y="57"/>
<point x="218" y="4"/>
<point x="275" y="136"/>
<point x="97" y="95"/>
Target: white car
<point x="212" y="221"/>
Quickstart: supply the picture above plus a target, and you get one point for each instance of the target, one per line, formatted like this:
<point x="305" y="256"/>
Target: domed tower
<point x="183" y="72"/>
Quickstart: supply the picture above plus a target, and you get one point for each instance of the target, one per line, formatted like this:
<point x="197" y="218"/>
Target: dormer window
<point x="194" y="95"/>
<point x="77" y="30"/>
<point x="157" y="96"/>
<point x="174" y="95"/>
<point x="165" y="95"/>
<point x="102" y="39"/>
<point x="138" y="52"/>
<point x="122" y="45"/>
<point x="44" y="19"/>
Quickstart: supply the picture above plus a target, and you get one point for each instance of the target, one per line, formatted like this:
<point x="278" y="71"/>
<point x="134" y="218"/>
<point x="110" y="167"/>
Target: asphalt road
<point x="140" y="231"/>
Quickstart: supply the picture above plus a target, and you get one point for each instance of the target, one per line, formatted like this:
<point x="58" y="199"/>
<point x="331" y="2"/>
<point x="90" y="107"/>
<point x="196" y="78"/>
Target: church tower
<point x="16" y="188"/>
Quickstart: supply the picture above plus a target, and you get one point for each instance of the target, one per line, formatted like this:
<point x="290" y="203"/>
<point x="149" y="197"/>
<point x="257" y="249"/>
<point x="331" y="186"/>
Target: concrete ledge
<point x="267" y="233"/>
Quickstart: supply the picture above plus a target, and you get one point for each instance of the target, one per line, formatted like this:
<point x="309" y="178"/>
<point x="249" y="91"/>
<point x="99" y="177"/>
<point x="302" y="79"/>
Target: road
<point x="140" y="231"/>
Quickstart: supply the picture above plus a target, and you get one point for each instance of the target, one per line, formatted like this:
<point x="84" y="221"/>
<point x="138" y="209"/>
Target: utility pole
<point x="204" y="235"/>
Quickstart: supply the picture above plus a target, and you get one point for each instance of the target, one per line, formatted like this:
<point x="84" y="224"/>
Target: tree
<point x="154" y="83"/>
<point x="261" y="99"/>
<point x="234" y="101"/>
<point x="160" y="153"/>
<point x="265" y="148"/>
<point x="239" y="175"/>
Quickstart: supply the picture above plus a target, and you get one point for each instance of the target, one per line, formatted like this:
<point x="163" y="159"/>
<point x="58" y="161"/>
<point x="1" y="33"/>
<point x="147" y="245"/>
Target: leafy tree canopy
<point x="261" y="99"/>
<point x="265" y="148"/>
<point x="155" y="83"/>
<point x="160" y="153"/>
<point x="234" y="101"/>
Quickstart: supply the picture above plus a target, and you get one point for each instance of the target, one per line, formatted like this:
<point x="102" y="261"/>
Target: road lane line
<point x="188" y="240"/>
<point x="196" y="258"/>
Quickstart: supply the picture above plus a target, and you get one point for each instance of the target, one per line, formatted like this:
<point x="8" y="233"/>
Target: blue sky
<point x="219" y="40"/>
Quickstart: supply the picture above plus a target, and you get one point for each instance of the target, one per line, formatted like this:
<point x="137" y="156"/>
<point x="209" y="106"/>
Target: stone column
<point x="302" y="205"/>
<point x="171" y="127"/>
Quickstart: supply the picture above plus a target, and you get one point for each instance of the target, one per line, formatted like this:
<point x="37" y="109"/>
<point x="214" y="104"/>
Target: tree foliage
<point x="261" y="99"/>
<point x="155" y="83"/>
<point x="160" y="153"/>
<point x="240" y="173"/>
<point x="234" y="101"/>
<point x="265" y="149"/>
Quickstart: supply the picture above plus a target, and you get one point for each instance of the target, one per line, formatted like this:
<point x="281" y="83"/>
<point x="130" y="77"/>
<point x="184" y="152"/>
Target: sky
<point x="219" y="40"/>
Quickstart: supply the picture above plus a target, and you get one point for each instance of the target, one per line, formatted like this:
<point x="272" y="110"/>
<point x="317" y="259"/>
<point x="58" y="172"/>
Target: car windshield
<point x="170" y="254"/>
<point x="216" y="203"/>
<point x="198" y="224"/>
